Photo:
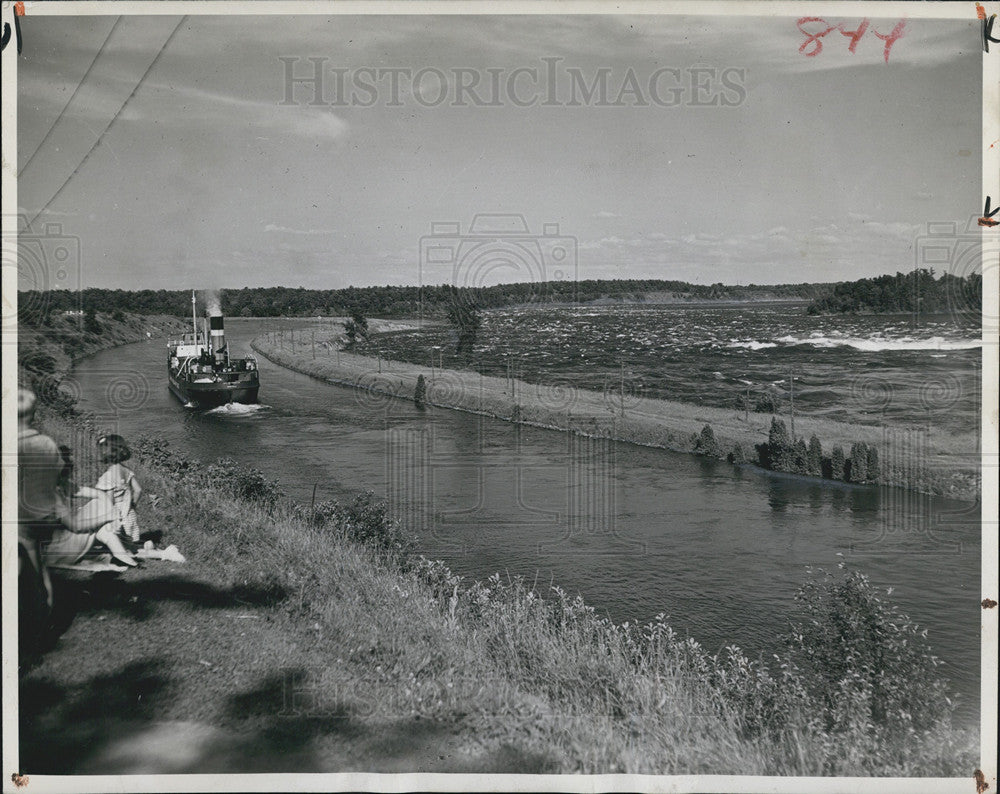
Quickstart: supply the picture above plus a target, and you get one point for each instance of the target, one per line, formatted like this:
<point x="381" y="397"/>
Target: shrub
<point x="37" y="361"/>
<point x="705" y="444"/>
<point x="737" y="454"/>
<point x="366" y="520"/>
<point x="235" y="479"/>
<point x="864" y="664"/>
<point x="48" y="393"/>
<point x="243" y="482"/>
<point x="766" y="404"/>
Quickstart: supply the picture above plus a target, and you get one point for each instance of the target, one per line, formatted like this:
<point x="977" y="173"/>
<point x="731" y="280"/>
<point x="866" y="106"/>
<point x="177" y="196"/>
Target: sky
<point x="174" y="152"/>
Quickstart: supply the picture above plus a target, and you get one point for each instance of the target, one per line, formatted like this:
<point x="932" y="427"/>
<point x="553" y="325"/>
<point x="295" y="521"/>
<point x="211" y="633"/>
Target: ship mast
<point x="194" y="318"/>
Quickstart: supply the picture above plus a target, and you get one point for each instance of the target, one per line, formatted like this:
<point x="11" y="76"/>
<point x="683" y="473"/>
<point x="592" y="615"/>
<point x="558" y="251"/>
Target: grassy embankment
<point x="45" y="352"/>
<point x="314" y="643"/>
<point x="306" y="641"/>
<point x="930" y="460"/>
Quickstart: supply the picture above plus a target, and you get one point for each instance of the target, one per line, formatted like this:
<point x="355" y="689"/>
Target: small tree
<point x="859" y="463"/>
<point x="801" y="456"/>
<point x="464" y="318"/>
<point x="781" y="456"/>
<point x="356" y="328"/>
<point x="90" y="322"/>
<point x="838" y="464"/>
<point x="874" y="471"/>
<point x="706" y="445"/>
<point x="420" y="392"/>
<point x="814" y="457"/>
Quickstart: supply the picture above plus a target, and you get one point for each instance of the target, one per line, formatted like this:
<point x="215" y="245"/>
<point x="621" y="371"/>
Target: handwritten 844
<point x="815" y="28"/>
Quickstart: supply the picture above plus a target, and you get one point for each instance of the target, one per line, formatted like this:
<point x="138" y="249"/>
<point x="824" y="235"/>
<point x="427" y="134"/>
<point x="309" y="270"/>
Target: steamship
<point x="202" y="373"/>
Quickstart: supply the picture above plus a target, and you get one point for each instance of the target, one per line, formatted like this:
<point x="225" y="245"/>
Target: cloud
<point x="183" y="105"/>
<point x="606" y="214"/>
<point x="306" y="121"/>
<point x="271" y="227"/>
<point x="778" y="254"/>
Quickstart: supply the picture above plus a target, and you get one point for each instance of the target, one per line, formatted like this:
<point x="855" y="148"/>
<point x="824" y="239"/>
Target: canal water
<point x="720" y="549"/>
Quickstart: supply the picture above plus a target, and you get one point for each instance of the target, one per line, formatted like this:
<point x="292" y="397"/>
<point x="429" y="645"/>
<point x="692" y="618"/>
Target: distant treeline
<point x="917" y="291"/>
<point x="392" y="301"/>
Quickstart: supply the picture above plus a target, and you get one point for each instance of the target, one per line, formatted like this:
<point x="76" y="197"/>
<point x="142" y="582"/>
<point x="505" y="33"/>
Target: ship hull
<point x="212" y="395"/>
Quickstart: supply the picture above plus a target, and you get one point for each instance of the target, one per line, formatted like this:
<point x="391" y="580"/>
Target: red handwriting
<point x="819" y="27"/>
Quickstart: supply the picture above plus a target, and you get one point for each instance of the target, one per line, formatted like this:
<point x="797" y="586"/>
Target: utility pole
<point x="314" y="343"/>
<point x="791" y="395"/>
<point x="621" y="394"/>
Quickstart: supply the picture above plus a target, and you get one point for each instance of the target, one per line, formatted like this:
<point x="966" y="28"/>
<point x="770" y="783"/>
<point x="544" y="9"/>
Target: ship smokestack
<point x="217" y="330"/>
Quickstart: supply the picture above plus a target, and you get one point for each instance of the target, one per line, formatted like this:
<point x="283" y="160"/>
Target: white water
<point x="883" y="343"/>
<point x="239" y="409"/>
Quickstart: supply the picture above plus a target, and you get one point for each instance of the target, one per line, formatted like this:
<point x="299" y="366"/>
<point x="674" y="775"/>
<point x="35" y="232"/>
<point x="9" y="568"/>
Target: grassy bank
<point x="925" y="459"/>
<point x="47" y="348"/>
<point x="309" y="640"/>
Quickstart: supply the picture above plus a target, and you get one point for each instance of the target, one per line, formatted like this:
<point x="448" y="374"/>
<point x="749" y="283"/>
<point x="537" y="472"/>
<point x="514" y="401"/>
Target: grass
<point x="311" y="641"/>
<point x="926" y="459"/>
<point x="287" y="643"/>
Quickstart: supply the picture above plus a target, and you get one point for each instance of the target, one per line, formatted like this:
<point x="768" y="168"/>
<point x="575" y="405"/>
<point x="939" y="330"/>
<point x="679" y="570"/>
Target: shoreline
<point x="313" y="635"/>
<point x="925" y="460"/>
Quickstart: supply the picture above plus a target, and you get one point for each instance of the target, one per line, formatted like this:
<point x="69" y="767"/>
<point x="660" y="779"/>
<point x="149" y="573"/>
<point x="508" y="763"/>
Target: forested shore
<point x="919" y="290"/>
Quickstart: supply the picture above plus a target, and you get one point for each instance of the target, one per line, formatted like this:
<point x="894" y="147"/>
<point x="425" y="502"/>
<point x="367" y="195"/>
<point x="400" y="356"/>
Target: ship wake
<point x="238" y="409"/>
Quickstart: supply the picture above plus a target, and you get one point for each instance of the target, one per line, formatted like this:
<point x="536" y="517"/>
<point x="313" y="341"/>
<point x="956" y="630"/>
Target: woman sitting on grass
<point x="86" y="516"/>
